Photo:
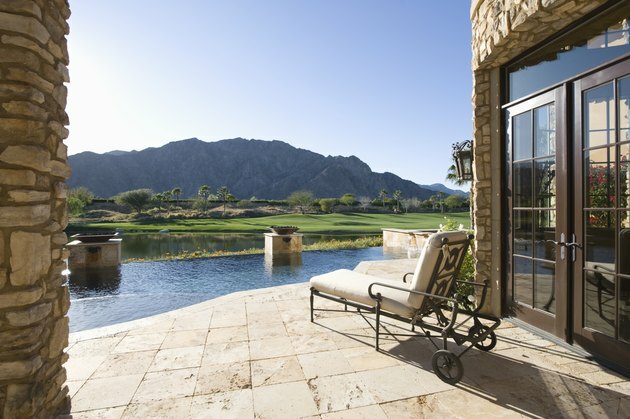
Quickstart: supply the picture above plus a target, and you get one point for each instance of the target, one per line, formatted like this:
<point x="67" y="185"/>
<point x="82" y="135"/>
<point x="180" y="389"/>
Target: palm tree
<point x="204" y="193"/>
<point x="224" y="195"/>
<point x="382" y="194"/>
<point x="397" y="195"/>
<point x="176" y="192"/>
<point x="451" y="176"/>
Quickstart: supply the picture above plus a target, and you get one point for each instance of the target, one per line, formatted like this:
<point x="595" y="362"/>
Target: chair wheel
<point x="447" y="366"/>
<point x="490" y="340"/>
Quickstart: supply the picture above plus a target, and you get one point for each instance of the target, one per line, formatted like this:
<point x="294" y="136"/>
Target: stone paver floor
<point x="255" y="354"/>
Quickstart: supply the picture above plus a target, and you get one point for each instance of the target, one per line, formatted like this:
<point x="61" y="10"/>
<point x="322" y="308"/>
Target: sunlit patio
<point x="256" y="354"/>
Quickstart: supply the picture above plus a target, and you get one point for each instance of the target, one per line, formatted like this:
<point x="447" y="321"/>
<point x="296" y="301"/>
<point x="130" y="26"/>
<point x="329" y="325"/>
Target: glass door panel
<point x="533" y="187"/>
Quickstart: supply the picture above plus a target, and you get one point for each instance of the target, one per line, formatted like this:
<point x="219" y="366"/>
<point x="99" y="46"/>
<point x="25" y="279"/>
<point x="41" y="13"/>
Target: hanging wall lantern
<point x="462" y="154"/>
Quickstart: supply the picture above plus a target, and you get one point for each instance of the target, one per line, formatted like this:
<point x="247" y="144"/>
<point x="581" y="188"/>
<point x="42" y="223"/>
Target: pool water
<point x="136" y="290"/>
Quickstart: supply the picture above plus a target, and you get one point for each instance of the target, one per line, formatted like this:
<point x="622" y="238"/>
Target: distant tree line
<point x="140" y="200"/>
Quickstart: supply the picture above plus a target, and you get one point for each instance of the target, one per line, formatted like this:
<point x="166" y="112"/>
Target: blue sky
<point x="388" y="81"/>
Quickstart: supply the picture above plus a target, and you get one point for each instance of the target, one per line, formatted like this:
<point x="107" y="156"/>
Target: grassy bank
<point x="356" y="223"/>
<point x="360" y="243"/>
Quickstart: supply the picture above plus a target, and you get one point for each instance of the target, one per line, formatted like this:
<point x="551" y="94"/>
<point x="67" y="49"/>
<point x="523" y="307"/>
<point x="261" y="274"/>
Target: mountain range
<point x="265" y="169"/>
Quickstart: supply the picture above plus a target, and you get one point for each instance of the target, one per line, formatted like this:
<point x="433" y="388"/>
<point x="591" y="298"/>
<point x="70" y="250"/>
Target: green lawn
<point x="325" y="223"/>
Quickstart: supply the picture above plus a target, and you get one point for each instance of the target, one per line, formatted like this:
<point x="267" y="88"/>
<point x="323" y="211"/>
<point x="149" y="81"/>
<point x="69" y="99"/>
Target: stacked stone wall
<point x="34" y="300"/>
<point x="501" y="31"/>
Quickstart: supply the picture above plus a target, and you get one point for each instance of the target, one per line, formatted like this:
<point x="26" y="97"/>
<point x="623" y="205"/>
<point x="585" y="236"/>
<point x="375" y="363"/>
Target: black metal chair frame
<point x="446" y="364"/>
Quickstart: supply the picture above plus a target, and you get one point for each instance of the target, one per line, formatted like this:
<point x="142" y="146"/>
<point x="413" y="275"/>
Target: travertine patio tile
<point x="305" y="344"/>
<point x="305" y="327"/>
<point x="339" y="392"/>
<point x="184" y="338"/>
<point x="95" y="347"/>
<point x="460" y="404"/>
<point x="266" y="331"/>
<point x="191" y="322"/>
<point x="364" y="358"/>
<point x="256" y="307"/>
<point x="421" y="407"/>
<point x="341" y="323"/>
<point x="227" y="334"/>
<point x="288" y="400"/>
<point x="366" y="412"/>
<point x="74" y="386"/>
<point x="100" y="393"/>
<point x="163" y="325"/>
<point x="228" y="405"/>
<point x="353" y="338"/>
<point x="225" y="353"/>
<point x="109" y="413"/>
<point x="82" y="367"/>
<point x="227" y="319"/>
<point x="386" y="385"/>
<point x="127" y="363"/>
<point x="133" y="343"/>
<point x="295" y="314"/>
<point x="218" y="378"/>
<point x="275" y="371"/>
<point x="165" y="408"/>
<point x="177" y="358"/>
<point x="262" y="319"/>
<point x="270" y="348"/>
<point x="321" y="364"/>
<point x="166" y="384"/>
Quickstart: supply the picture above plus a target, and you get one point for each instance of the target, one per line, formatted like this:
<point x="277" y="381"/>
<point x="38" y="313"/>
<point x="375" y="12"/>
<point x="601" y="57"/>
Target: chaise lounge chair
<point x="429" y="300"/>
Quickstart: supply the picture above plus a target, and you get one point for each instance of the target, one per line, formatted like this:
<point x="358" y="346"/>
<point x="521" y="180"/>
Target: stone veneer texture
<point x="501" y="30"/>
<point x="33" y="298"/>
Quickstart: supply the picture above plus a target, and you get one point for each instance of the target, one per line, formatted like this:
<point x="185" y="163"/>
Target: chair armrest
<point x="405" y="276"/>
<point x="426" y="294"/>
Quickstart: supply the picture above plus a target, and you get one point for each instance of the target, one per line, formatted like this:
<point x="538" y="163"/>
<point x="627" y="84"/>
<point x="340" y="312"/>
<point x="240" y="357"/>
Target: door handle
<point x="564" y="245"/>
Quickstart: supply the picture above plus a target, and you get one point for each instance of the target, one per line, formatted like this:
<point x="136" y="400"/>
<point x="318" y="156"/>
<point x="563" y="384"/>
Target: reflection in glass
<point x="545" y="278"/>
<point x="600" y="238"/>
<point x="624" y="244"/>
<point x="599" y="300"/>
<point x="522" y="227"/>
<point x="623" y="104"/>
<point x="545" y="183"/>
<point x="624" y="309"/>
<point x="600" y="178"/>
<point x="586" y="47"/>
<point x="624" y="176"/>
<point x="599" y="116"/>
<point x="545" y="131"/>
<point x="522" y="136"/>
<point x="523" y="280"/>
<point x="545" y="233"/>
<point x="522" y="180"/>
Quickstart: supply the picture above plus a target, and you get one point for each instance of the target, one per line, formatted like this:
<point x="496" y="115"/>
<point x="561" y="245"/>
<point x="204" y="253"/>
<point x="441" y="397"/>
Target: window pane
<point x="545" y="183"/>
<point x="522" y="136"/>
<point x="624" y="309"/>
<point x="599" y="301"/>
<point x="599" y="122"/>
<point x="523" y="233"/>
<point x="624" y="243"/>
<point x="599" y="168"/>
<point x="522" y="180"/>
<point x="545" y="131"/>
<point x="623" y="94"/>
<point x="545" y="233"/>
<point x="523" y="280"/>
<point x="624" y="176"/>
<point x="545" y="277"/>
<point x="600" y="239"/>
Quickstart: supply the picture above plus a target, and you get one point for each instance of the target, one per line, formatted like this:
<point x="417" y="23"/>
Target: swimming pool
<point x="137" y="290"/>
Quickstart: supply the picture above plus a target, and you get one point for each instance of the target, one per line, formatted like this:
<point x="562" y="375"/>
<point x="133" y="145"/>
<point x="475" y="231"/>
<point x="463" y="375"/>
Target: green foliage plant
<point x="328" y="204"/>
<point x="137" y="199"/>
<point x="301" y="200"/>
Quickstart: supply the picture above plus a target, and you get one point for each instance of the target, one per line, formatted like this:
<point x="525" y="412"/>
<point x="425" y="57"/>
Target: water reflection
<point x="84" y="282"/>
<point x="275" y="262"/>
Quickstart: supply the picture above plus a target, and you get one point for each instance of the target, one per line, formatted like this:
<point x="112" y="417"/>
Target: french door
<point x="601" y="156"/>
<point x="537" y="190"/>
<point x="568" y="208"/>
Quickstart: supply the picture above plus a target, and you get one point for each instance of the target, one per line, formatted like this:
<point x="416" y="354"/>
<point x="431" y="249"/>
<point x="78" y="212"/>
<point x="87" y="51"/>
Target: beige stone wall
<point x="33" y="299"/>
<point x="501" y="30"/>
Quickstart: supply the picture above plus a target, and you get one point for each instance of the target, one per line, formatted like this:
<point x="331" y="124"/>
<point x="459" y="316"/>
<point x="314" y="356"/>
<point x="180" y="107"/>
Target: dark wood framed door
<point x="601" y="156"/>
<point x="537" y="286"/>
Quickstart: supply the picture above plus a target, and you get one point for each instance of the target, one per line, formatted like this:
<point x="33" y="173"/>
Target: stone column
<point x="34" y="300"/>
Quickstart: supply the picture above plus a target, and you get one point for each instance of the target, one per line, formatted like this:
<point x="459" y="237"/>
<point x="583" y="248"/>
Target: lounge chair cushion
<point x="353" y="286"/>
<point x="428" y="258"/>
